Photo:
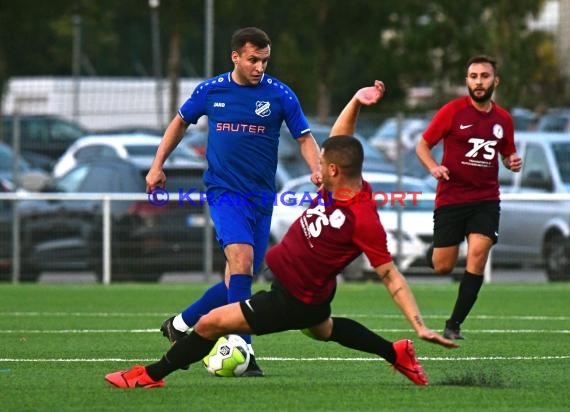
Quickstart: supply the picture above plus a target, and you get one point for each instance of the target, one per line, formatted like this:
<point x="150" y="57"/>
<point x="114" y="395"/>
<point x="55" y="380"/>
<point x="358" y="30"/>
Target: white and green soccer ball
<point x="229" y="357"/>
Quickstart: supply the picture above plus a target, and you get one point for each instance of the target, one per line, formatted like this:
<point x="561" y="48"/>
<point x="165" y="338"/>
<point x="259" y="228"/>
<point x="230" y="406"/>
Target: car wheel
<point x="557" y="258"/>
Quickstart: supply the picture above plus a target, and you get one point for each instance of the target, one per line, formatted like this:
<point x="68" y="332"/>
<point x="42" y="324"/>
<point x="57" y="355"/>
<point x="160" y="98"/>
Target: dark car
<point x="43" y="138"/>
<point x="147" y="240"/>
<point x="30" y="178"/>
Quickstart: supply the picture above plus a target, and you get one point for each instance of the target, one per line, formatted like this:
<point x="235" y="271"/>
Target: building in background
<point x="98" y="103"/>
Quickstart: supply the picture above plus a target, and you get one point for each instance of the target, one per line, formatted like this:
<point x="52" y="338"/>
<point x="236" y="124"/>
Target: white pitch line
<point x="291" y="359"/>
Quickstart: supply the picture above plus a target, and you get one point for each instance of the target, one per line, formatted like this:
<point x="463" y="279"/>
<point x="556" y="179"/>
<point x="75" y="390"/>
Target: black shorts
<point x="277" y="310"/>
<point x="452" y="223"/>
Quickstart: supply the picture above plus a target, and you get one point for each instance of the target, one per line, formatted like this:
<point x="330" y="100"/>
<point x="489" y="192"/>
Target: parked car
<point x="412" y="166"/>
<point x="385" y="139"/>
<point x="556" y="120"/>
<point x="139" y="148"/>
<point x="291" y="164"/>
<point x="43" y="138"/>
<point x="537" y="231"/>
<point x="30" y="178"/>
<point x="147" y="240"/>
<point x="416" y="220"/>
<point x="196" y="140"/>
<point x="130" y="130"/>
<point x="524" y="119"/>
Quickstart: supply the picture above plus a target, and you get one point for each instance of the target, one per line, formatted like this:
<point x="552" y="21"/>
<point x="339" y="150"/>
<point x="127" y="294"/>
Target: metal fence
<point x="107" y="229"/>
<point x="205" y="223"/>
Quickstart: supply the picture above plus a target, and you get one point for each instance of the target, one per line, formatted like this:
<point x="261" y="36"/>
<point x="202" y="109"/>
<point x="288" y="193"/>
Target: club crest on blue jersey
<point x="262" y="108"/>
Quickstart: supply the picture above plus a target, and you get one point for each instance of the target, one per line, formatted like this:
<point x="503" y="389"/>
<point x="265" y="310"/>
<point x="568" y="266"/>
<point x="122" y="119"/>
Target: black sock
<point x="354" y="335"/>
<point x="466" y="297"/>
<point x="187" y="350"/>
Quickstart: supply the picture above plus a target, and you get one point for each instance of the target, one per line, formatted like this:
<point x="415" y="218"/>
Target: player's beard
<point x="483" y="98"/>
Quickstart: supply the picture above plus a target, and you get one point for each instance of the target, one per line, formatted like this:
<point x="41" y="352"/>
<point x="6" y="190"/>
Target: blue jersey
<point x="243" y="132"/>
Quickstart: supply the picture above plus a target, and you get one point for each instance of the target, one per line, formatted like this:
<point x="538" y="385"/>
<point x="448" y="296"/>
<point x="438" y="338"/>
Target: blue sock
<point x="213" y="298"/>
<point x="240" y="289"/>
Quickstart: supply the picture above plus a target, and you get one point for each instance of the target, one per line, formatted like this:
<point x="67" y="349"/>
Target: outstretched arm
<point x="401" y="293"/>
<point x="367" y="96"/>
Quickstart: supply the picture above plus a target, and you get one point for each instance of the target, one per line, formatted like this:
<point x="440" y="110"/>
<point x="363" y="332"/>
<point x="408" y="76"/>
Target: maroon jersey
<point x="472" y="141"/>
<point x="322" y="241"/>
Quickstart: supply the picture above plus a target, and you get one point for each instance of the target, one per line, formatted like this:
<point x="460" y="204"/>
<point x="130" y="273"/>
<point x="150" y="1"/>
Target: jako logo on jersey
<point x="487" y="145"/>
<point x="219" y="104"/>
<point x="262" y="108"/>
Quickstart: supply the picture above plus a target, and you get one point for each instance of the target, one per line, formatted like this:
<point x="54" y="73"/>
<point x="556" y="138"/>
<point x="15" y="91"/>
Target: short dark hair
<point x="481" y="58"/>
<point x="252" y="35"/>
<point x="346" y="152"/>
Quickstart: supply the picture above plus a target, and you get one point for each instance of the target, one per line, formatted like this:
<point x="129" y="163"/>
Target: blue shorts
<point x="242" y="224"/>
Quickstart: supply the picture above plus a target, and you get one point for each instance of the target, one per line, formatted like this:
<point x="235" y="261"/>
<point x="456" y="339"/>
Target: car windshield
<point x="6" y="159"/>
<point x="295" y="165"/>
<point x="388" y="129"/>
<point x="562" y="155"/>
<point x="369" y="151"/>
<point x="555" y="122"/>
<point x="141" y="150"/>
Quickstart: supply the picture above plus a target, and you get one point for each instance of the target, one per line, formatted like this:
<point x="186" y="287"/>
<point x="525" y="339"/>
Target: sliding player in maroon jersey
<point x="319" y="244"/>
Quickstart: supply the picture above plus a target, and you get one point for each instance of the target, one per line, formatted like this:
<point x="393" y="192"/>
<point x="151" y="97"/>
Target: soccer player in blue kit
<point x="245" y="110"/>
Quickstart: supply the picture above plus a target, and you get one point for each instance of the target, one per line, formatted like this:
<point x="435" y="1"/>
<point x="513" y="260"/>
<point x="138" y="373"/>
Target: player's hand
<point x="317" y="179"/>
<point x="370" y="95"/>
<point x="155" y="178"/>
<point x="514" y="163"/>
<point x="440" y="172"/>
<point x="430" y="336"/>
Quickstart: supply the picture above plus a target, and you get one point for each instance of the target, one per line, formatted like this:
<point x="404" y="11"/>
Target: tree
<point x="324" y="49"/>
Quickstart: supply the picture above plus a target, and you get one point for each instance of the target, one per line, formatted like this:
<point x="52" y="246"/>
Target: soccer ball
<point x="229" y="357"/>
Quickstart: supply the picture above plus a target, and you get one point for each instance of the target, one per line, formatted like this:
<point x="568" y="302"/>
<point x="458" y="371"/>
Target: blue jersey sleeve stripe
<point x="182" y="116"/>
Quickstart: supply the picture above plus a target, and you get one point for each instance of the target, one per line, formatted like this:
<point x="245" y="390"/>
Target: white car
<point x="385" y="139"/>
<point x="137" y="147"/>
<point x="416" y="220"/>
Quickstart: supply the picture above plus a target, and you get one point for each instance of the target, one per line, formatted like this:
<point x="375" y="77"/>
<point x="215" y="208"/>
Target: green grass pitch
<point x="58" y="341"/>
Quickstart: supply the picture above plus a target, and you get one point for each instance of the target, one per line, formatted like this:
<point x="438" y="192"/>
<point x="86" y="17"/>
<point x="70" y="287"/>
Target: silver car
<point x="536" y="229"/>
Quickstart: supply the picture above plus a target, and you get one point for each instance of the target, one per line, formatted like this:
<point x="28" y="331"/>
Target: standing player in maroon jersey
<point x="319" y="244"/>
<point x="475" y="131"/>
